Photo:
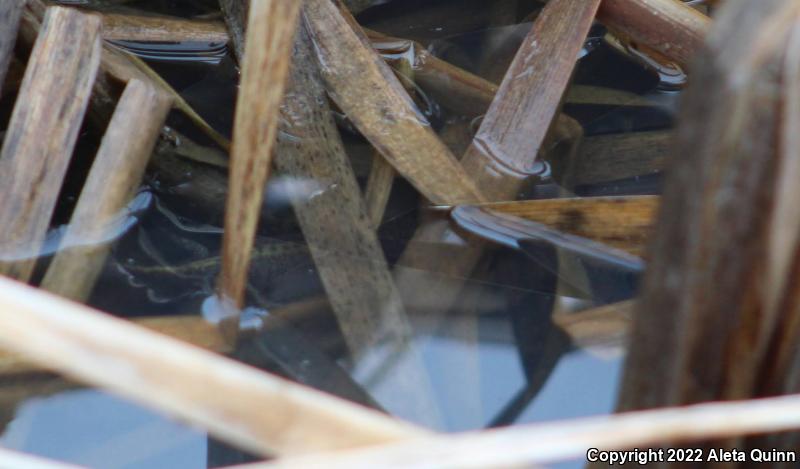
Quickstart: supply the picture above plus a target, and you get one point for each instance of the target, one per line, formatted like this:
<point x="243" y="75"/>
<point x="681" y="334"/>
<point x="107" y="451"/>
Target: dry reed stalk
<point x="726" y="238"/>
<point x="386" y="115"/>
<point x="10" y="12"/>
<point x="526" y="445"/>
<point x="115" y="175"/>
<point x="195" y="385"/>
<point x="344" y="246"/>
<point x="670" y="27"/>
<point x="621" y="222"/>
<point x="17" y="460"/>
<point x="39" y="141"/>
<point x="161" y="28"/>
<point x="272" y="25"/>
<point x="189" y="329"/>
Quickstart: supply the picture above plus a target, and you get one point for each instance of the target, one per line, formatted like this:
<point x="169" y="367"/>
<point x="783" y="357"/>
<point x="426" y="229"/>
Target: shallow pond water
<point x="493" y="358"/>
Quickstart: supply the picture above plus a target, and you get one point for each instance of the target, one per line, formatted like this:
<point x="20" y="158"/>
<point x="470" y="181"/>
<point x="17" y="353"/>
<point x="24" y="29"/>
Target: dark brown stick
<point x="43" y="131"/>
<point x="116" y="173"/>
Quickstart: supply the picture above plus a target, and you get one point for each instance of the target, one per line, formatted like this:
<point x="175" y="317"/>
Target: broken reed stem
<point x="10" y="12"/>
<point x="670" y="27"/>
<point x="160" y="28"/>
<point x="386" y="116"/>
<point x="272" y="26"/>
<point x="621" y="222"/>
<point x="192" y="330"/>
<point x="42" y="133"/>
<point x="115" y="175"/>
<point x="548" y="443"/>
<point x="200" y="387"/>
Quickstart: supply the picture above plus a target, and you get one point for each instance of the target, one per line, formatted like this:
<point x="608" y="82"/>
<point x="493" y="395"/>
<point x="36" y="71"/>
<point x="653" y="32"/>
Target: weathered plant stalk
<point x="621" y="222"/>
<point x="386" y="116"/>
<point x="344" y="246"/>
<point x="195" y="385"/>
<point x="39" y="142"/>
<point x="272" y="23"/>
<point x="192" y="330"/>
<point x="719" y="282"/>
<point x="116" y="174"/>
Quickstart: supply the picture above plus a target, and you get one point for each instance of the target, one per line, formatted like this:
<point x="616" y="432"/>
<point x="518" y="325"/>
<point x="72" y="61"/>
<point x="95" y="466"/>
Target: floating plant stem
<point x="39" y="142"/>
<point x="621" y="222"/>
<point x="272" y="25"/>
<point x="116" y="174"/>
<point x="200" y="387"/>
<point x="344" y="245"/>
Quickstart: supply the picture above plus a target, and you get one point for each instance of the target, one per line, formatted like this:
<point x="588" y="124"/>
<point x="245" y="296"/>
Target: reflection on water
<point x="494" y="357"/>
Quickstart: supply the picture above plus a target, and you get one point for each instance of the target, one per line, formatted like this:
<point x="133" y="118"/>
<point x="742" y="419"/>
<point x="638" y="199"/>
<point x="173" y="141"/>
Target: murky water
<point x="494" y="358"/>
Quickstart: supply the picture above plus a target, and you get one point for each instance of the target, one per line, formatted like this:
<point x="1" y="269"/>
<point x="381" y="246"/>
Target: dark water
<point x="495" y="358"/>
